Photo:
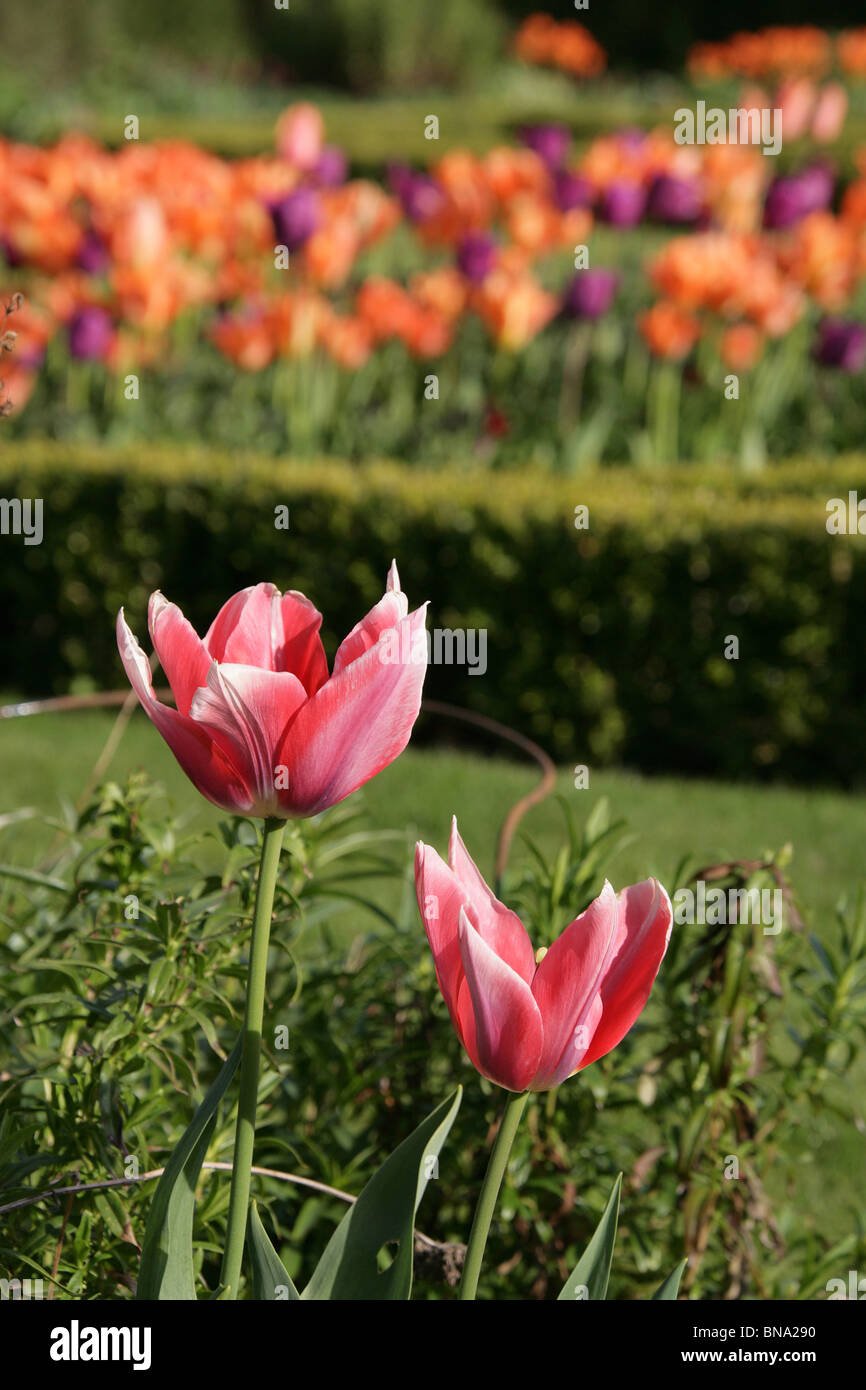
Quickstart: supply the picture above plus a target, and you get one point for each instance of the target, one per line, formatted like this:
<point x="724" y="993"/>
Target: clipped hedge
<point x="604" y="644"/>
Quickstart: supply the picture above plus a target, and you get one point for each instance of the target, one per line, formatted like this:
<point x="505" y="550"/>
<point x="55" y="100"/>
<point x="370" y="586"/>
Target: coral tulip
<point x="260" y="727"/>
<point x="524" y="1025"/>
<point x="668" y="331"/>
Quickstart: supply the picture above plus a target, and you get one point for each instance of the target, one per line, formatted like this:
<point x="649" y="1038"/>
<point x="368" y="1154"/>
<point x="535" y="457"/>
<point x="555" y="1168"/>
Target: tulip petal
<point x="252" y="708"/>
<point x="501" y="928"/>
<point x="243" y="631"/>
<point x="644" y="922"/>
<point x="206" y="763"/>
<point x="508" y="1027"/>
<point x="439" y="904"/>
<point x="272" y="631"/>
<point x="300" y="648"/>
<point x="182" y="654"/>
<point x="225" y="622"/>
<point x="567" y="984"/>
<point x="391" y="609"/>
<point x="356" y="724"/>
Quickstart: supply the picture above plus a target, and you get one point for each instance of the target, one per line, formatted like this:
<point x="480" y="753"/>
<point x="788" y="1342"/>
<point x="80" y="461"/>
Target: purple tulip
<point x="331" y="168"/>
<point x="623" y="204"/>
<point x="674" y="200"/>
<point x="420" y="196"/>
<point x="93" y="257"/>
<point x="91" y="332"/>
<point x="11" y="255"/>
<point x="792" y="197"/>
<point x="841" y="343"/>
<point x="398" y="176"/>
<point x="590" y="294"/>
<point x="476" y="256"/>
<point x="572" y="191"/>
<point x="550" y="142"/>
<point x="296" y="217"/>
<point x="631" y="138"/>
<point x="817" y="185"/>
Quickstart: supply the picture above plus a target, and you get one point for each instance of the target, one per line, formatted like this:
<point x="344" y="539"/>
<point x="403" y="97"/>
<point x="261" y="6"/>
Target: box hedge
<point x="604" y="644"/>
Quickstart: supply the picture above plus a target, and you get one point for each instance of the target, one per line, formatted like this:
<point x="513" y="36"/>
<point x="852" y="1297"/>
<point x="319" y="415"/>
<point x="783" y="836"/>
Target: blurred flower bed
<point x="556" y="303"/>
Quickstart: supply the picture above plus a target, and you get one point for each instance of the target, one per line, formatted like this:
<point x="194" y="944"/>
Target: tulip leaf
<point x="592" y="1272"/>
<point x="167" y="1270"/>
<point x="383" y="1214"/>
<point x="271" y="1281"/>
<point x="667" y="1292"/>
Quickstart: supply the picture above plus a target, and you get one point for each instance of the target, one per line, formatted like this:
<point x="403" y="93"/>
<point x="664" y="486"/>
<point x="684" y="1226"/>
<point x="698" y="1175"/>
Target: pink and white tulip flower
<point x="528" y="1025"/>
<point x="260" y="727"/>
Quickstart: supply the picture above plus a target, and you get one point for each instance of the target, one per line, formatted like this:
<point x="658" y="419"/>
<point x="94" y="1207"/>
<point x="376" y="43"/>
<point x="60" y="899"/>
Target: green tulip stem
<point x="252" y="1046"/>
<point x="514" y="1108"/>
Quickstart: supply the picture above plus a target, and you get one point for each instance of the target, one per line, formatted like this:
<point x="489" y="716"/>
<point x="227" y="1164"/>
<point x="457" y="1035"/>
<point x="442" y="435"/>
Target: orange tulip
<point x="514" y="308"/>
<point x="741" y="346"/>
<point x="668" y="331"/>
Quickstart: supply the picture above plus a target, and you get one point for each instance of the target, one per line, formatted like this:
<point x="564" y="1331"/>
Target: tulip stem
<point x="251" y="1050"/>
<point x="514" y="1108"/>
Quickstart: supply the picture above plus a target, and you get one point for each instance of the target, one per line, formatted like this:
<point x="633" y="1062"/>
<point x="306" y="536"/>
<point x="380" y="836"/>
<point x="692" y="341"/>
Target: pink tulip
<point x="796" y="101"/>
<point x="530" y="1026"/>
<point x="300" y="135"/>
<point x="260" y="727"/>
<point x="830" y="113"/>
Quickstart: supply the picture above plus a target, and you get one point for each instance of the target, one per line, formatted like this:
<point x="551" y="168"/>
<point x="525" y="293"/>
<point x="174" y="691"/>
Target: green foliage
<point x="385" y="45"/>
<point x="591" y="1274"/>
<point x="605" y="644"/>
<point x="380" y="1223"/>
<point x="167" y="1269"/>
<point x="746" y="1049"/>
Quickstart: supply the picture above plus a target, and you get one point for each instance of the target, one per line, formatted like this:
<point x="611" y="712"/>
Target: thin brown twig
<point x="215" y="1166"/>
<point x="538" y="793"/>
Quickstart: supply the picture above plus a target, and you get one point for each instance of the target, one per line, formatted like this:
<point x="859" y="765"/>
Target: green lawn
<point x="47" y="759"/>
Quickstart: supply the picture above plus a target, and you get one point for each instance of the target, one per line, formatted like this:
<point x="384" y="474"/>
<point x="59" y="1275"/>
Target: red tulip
<point x="260" y="727"/>
<point x="529" y="1026"/>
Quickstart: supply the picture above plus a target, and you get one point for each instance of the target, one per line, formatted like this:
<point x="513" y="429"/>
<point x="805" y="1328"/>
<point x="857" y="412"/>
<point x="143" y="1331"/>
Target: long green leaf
<point x="384" y="1213"/>
<point x="31" y="876"/>
<point x="167" y="1270"/>
<point x="667" y="1292"/>
<point x="592" y="1272"/>
<point x="271" y="1282"/>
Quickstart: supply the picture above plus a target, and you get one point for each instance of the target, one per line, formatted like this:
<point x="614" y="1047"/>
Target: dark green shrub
<point x="605" y="644"/>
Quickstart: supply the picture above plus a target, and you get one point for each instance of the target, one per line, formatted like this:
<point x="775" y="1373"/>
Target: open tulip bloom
<point x="527" y="1023"/>
<point x="262" y="729"/>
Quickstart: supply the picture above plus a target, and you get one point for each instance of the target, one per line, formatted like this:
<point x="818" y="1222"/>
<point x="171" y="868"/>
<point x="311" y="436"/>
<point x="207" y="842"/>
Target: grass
<point x="47" y="760"/>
